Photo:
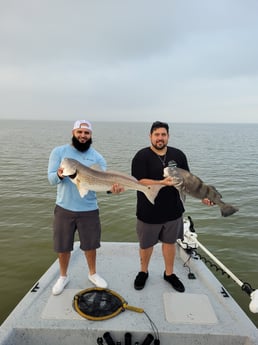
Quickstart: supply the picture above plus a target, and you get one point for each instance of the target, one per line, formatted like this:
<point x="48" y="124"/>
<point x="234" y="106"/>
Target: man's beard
<point x="82" y="147"/>
<point x="159" y="148"/>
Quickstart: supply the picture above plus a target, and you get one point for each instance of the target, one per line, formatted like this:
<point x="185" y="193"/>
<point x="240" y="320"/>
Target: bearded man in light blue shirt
<point x="73" y="212"/>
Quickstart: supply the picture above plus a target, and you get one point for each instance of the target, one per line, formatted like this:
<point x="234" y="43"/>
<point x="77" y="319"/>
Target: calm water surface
<point x="223" y="155"/>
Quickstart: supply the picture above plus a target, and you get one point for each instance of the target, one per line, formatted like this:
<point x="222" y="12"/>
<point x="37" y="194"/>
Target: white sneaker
<point x="97" y="280"/>
<point x="60" y="285"/>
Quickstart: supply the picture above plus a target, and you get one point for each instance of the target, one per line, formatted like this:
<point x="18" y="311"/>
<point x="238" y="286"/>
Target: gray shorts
<point x="151" y="234"/>
<point x="67" y="222"/>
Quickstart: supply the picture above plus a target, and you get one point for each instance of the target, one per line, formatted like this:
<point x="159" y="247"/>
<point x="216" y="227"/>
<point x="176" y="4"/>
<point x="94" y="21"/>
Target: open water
<point x="223" y="155"/>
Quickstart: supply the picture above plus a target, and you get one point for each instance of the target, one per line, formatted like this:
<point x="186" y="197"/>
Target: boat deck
<point x="202" y="315"/>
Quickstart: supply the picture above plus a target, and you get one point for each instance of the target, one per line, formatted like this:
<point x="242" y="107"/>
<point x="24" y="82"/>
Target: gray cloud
<point x="192" y="60"/>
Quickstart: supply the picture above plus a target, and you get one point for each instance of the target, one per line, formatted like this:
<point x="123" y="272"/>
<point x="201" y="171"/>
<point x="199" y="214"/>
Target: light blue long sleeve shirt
<point x="68" y="195"/>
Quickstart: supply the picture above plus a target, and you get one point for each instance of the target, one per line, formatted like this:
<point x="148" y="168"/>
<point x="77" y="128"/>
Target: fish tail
<point x="228" y="210"/>
<point x="152" y="191"/>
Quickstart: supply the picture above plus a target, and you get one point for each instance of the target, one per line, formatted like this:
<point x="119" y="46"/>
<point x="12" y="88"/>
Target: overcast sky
<point x="129" y="60"/>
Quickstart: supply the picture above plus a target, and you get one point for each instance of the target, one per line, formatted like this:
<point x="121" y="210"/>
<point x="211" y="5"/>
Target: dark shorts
<point x="151" y="234"/>
<point x="67" y="222"/>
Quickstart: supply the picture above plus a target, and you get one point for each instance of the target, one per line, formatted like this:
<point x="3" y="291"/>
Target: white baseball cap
<point x="82" y="124"/>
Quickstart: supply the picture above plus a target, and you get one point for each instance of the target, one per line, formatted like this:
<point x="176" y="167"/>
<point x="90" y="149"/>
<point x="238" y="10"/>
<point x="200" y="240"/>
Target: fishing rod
<point x="190" y="240"/>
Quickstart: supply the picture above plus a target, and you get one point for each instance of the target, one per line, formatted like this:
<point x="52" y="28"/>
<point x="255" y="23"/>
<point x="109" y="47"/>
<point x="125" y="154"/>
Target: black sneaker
<point x="175" y="282"/>
<point x="140" y="280"/>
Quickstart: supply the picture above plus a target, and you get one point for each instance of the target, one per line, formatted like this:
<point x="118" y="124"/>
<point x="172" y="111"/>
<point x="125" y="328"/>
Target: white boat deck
<point x="201" y="315"/>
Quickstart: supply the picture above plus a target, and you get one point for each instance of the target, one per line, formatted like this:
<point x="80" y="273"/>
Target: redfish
<point x="87" y="179"/>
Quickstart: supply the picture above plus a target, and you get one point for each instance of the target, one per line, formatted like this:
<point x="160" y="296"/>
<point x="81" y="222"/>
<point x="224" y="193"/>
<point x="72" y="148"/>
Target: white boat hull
<point x="201" y="315"/>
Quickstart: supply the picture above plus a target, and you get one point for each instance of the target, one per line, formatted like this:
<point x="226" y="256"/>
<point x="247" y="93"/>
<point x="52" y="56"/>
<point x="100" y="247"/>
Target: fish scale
<point x="86" y="179"/>
<point x="187" y="183"/>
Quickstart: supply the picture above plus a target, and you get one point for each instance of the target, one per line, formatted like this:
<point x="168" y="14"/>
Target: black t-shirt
<point x="168" y="205"/>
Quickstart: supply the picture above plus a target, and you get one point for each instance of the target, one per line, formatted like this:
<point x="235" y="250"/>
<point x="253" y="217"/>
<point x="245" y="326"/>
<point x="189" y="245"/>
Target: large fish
<point x="87" y="179"/>
<point x="187" y="183"/>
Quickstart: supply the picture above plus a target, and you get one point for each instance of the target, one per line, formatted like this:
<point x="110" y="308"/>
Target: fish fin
<point x="181" y="189"/>
<point x="182" y="197"/>
<point x="228" y="210"/>
<point x="215" y="190"/>
<point x="83" y="190"/>
<point x="181" y="193"/>
<point x="152" y="192"/>
<point x="122" y="174"/>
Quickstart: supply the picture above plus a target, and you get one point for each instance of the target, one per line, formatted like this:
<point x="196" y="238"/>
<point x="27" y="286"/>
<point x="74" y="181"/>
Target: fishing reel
<point x="190" y="236"/>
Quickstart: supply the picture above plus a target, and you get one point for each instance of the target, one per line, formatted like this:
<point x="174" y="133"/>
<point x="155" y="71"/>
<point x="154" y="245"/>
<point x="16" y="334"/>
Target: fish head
<point x="177" y="178"/>
<point x="69" y="166"/>
<point x="171" y="171"/>
<point x="166" y="172"/>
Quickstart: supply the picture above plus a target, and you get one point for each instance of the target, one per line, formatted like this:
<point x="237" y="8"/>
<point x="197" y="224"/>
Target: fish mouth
<point x="73" y="175"/>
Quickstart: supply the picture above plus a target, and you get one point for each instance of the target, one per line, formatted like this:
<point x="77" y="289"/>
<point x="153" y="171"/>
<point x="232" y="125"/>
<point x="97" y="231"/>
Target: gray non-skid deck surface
<point x="199" y="314"/>
<point x="119" y="265"/>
